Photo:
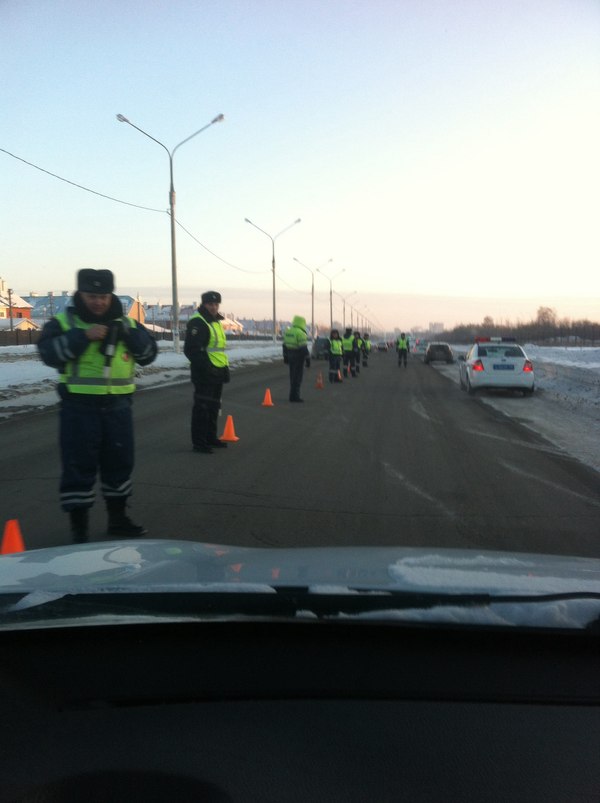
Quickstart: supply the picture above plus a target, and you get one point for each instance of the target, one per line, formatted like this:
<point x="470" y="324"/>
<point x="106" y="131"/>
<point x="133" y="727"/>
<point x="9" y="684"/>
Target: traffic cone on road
<point x="12" y="540"/>
<point x="339" y="376"/>
<point x="267" y="401"/>
<point x="319" y="384"/>
<point x="229" y="431"/>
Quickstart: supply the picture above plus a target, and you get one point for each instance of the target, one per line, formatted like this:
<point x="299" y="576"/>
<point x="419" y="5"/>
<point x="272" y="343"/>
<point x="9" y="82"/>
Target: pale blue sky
<point x="432" y="149"/>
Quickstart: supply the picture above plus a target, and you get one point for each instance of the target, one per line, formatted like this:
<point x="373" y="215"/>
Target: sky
<point x="443" y="155"/>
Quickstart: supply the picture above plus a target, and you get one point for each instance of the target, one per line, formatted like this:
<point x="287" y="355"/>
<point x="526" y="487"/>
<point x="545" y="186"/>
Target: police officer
<point x="402" y="346"/>
<point x="295" y="354"/>
<point x="205" y="345"/>
<point x="366" y="350"/>
<point x="358" y="351"/>
<point x="95" y="348"/>
<point x="348" y="353"/>
<point x="334" y="349"/>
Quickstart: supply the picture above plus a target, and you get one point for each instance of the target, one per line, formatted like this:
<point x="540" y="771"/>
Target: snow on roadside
<point x="27" y="384"/>
<point x="565" y="409"/>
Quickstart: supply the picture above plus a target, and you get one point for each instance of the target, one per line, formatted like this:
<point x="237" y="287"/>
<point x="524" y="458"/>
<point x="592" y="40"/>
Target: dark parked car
<point x="438" y="352"/>
<point x="319" y="348"/>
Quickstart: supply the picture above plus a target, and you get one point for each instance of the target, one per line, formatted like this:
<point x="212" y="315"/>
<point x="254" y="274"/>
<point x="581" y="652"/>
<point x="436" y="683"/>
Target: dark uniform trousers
<point x="205" y="412"/>
<point x="335" y="367"/>
<point x="349" y="362"/>
<point x="95" y="431"/>
<point x="296" y="366"/>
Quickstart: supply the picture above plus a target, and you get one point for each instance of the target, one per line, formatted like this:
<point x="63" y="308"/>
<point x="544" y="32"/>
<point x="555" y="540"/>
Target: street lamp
<point x="312" y="291"/>
<point x="272" y="239"/>
<point x="344" y="307"/>
<point x="219" y="118"/>
<point x="330" y="280"/>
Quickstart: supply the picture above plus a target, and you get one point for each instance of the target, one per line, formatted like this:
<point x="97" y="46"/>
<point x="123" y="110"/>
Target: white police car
<point x="496" y="362"/>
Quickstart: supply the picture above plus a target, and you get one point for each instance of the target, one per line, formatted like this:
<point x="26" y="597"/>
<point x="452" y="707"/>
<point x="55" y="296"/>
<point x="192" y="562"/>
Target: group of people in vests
<point x="347" y="353"/>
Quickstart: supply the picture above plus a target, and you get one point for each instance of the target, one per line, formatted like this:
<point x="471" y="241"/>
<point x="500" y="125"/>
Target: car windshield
<point x="196" y="196"/>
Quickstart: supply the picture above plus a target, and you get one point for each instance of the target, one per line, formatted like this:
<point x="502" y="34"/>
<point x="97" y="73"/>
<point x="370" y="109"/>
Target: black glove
<point x="307" y="362"/>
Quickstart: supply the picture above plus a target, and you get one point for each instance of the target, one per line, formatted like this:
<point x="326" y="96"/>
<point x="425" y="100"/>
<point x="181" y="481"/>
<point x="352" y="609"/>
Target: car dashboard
<point x="299" y="711"/>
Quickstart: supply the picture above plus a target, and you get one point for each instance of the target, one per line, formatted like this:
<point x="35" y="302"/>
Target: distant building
<point x="12" y="305"/>
<point x="436" y="328"/>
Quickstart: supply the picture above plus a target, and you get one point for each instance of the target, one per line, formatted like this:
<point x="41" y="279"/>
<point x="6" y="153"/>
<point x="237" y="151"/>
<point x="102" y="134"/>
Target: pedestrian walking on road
<point x="402" y="346"/>
<point x="334" y="349"/>
<point x="204" y="346"/>
<point x="295" y="355"/>
<point x="95" y="348"/>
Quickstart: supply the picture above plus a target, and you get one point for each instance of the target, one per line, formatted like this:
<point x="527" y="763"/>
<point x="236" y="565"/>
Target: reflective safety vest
<point x="217" y="342"/>
<point x="360" y="343"/>
<point x="367" y="346"/>
<point x="402" y="344"/>
<point x="294" y="338"/>
<point x="348" y="343"/>
<point x="91" y="373"/>
<point x="335" y="347"/>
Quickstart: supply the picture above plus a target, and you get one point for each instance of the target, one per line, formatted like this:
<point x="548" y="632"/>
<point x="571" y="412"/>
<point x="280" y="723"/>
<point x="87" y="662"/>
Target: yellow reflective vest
<point x="91" y="373"/>
<point x="335" y="347"/>
<point x="217" y="342"/>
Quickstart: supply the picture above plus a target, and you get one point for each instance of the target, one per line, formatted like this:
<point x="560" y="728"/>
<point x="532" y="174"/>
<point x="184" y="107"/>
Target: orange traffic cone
<point x="12" y="540"/>
<point x="267" y="401"/>
<point x="339" y="376"/>
<point x="229" y="432"/>
<point x="319" y="385"/>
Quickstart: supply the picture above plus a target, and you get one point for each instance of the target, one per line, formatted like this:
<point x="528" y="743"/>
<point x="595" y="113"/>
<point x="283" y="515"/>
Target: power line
<point x="145" y="208"/>
<point x="224" y="261"/>
<point x="80" y="186"/>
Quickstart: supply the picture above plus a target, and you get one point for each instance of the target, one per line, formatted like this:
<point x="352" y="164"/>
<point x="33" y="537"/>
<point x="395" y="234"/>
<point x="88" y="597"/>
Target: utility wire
<point x="79" y="186"/>
<point x="224" y="261"/>
<point x="127" y="203"/>
<point x="147" y="209"/>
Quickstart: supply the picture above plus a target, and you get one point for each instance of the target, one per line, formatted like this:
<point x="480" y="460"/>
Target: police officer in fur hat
<point x="95" y="347"/>
<point x="205" y="345"/>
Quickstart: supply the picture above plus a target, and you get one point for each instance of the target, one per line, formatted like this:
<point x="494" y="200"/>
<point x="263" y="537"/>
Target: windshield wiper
<point x="259" y="602"/>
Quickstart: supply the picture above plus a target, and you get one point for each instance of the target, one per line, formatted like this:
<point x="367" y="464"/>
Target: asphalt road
<point x="394" y="457"/>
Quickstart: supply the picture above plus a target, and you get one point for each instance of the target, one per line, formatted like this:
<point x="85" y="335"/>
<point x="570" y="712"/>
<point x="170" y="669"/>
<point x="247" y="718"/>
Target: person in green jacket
<point x="295" y="354"/>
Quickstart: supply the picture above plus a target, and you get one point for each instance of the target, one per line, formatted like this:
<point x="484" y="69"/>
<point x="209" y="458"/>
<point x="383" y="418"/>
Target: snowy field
<point x="565" y="408"/>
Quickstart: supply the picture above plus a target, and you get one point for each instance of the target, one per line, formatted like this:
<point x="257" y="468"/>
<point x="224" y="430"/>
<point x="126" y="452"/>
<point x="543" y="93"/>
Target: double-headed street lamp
<point x="175" y="301"/>
<point x="272" y="239"/>
<point x="330" y="280"/>
<point x="312" y="291"/>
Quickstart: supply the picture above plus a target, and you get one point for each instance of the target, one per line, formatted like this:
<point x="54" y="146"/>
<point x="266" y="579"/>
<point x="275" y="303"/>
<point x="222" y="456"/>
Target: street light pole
<point x="175" y="301"/>
<point x="312" y="291"/>
<point x="353" y="293"/>
<point x="330" y="280"/>
<point x="272" y="239"/>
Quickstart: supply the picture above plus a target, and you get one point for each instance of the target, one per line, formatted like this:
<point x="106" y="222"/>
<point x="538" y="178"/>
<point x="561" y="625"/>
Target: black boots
<point x="79" y="524"/>
<point x="119" y="523"/>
